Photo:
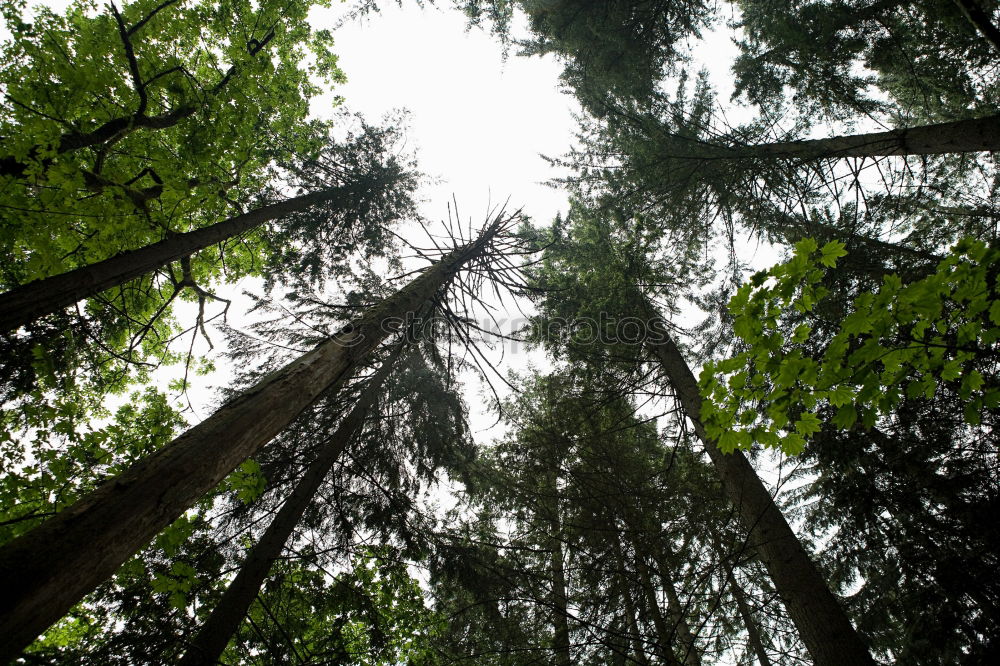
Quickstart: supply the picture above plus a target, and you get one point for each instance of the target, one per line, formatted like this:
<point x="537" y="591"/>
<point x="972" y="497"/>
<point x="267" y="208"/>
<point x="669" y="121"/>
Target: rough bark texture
<point x="208" y="645"/>
<point x="822" y="623"/>
<point x="26" y="303"/>
<point x="753" y="633"/>
<point x="960" y="136"/>
<point x="49" y="569"/>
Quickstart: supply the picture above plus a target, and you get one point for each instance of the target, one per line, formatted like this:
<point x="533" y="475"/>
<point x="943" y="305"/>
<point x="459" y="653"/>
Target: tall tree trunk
<point x="560" y="617"/>
<point x="52" y="567"/>
<point x="208" y="645"/>
<point x="635" y="637"/>
<point x="26" y="303"/>
<point x="753" y="632"/>
<point x="665" y="636"/>
<point x="560" y="610"/>
<point x="960" y="136"/>
<point x="686" y="637"/>
<point x="821" y="621"/>
<point x="619" y="653"/>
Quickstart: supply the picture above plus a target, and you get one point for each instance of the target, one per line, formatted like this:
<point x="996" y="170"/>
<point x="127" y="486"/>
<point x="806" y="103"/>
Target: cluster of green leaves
<point x="209" y="96"/>
<point x="61" y="459"/>
<point x="125" y="126"/>
<point x="898" y="342"/>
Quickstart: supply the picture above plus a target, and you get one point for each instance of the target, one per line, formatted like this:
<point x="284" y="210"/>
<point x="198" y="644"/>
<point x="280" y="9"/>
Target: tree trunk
<point x="692" y="657"/>
<point x="665" y="636"/>
<point x="756" y="642"/>
<point x="52" y="567"/>
<point x="560" y="610"/>
<point x="960" y="136"/>
<point x="980" y="20"/>
<point x="208" y="645"/>
<point x="26" y="303"/>
<point x="635" y="636"/>
<point x="822" y="623"/>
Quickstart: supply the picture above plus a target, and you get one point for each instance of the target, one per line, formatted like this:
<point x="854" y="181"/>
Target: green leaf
<point x="831" y="252"/>
<point x="995" y="312"/>
<point x="951" y="370"/>
<point x="793" y="444"/>
<point x="806" y="247"/>
<point x="840" y="395"/>
<point x="846" y="417"/>
<point x="801" y="334"/>
<point x="808" y="424"/>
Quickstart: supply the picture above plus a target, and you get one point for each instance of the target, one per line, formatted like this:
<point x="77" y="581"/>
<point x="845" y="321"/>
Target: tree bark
<point x="822" y="623"/>
<point x="211" y="640"/>
<point x="30" y="301"/>
<point x="52" y="567"/>
<point x="960" y="136"/>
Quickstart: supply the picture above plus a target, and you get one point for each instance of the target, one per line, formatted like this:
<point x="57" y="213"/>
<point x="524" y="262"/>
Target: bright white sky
<point x="477" y="121"/>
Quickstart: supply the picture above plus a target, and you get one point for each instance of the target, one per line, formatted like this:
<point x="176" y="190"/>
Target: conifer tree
<point x="100" y="531"/>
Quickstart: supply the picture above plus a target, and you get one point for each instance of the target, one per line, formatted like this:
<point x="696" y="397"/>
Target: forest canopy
<point x="755" y="425"/>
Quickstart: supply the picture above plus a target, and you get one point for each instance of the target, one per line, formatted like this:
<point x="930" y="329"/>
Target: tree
<point x="196" y="140"/>
<point x="618" y="577"/>
<point x="101" y="530"/>
<point x="619" y="49"/>
<point x="833" y="54"/>
<point x="207" y="646"/>
<point x="822" y="624"/>
<point x="347" y="201"/>
<point x="899" y="383"/>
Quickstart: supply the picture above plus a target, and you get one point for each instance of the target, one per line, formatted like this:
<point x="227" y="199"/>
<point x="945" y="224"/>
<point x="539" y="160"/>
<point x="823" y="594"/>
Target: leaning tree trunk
<point x="753" y="632"/>
<point x="821" y="621"/>
<point x="30" y="301"/>
<point x="980" y="20"/>
<point x="665" y="636"/>
<point x="50" y="568"/>
<point x="692" y="656"/>
<point x="208" y="645"/>
<point x="960" y="136"/>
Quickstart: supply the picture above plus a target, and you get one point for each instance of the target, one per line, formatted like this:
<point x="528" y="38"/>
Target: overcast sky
<point x="479" y="125"/>
<point x="478" y="122"/>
